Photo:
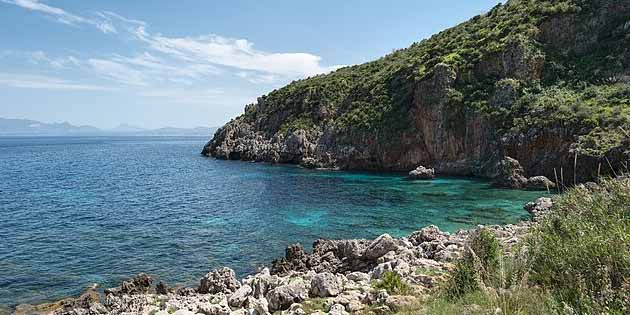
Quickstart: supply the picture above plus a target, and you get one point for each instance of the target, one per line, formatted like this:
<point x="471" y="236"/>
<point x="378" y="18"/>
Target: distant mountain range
<point x="25" y="127"/>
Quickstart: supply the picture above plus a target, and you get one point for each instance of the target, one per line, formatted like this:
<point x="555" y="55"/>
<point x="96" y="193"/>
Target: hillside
<point x="544" y="82"/>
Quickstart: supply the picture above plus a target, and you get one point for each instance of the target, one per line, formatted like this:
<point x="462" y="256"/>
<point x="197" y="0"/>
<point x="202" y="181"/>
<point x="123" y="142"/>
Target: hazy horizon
<point x="118" y="125"/>
<point x="106" y="63"/>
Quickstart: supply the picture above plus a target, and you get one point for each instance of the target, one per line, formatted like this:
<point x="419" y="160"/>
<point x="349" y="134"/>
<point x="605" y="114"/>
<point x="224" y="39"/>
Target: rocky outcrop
<point x="422" y="172"/>
<point x="510" y="174"/>
<point x="219" y="281"/>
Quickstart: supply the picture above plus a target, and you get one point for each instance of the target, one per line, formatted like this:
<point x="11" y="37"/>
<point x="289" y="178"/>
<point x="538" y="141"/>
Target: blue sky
<point x="190" y="63"/>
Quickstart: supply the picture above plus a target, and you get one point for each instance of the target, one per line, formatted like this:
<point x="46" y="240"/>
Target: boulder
<point x="509" y="174"/>
<point x="214" y="309"/>
<point x="540" y="183"/>
<point x="359" y="276"/>
<point x="380" y="246"/>
<point x="397" y="302"/>
<point x="221" y="280"/>
<point x="240" y="296"/>
<point x="162" y="288"/>
<point x="258" y="306"/>
<point x="337" y="309"/>
<point x="295" y="251"/>
<point x="539" y="207"/>
<point x="137" y="285"/>
<point x="281" y="298"/>
<point x="422" y="173"/>
<point x="325" y="284"/>
<point x="427" y="234"/>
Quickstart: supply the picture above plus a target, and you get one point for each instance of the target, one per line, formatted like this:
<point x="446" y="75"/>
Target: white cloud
<point x="257" y="78"/>
<point x="237" y="53"/>
<point x="175" y="61"/>
<point x="45" y="82"/>
<point x="165" y="69"/>
<point x="118" y="72"/>
<point x="40" y="57"/>
<point x="63" y="16"/>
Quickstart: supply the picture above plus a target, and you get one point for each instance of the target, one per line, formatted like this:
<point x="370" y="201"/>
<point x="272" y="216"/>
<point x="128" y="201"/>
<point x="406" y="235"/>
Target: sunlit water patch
<point x="81" y="210"/>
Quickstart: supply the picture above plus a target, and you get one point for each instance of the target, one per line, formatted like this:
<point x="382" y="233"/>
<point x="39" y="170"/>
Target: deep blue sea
<point x="76" y="211"/>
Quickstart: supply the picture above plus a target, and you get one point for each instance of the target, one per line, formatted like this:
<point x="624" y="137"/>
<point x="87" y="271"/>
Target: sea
<point x="81" y="210"/>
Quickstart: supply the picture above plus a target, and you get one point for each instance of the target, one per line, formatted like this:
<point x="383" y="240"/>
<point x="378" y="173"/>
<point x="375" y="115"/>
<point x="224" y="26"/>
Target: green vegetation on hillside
<point x="378" y="95"/>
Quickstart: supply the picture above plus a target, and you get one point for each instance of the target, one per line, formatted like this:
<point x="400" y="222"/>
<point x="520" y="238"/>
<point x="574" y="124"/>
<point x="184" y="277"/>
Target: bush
<point x="479" y="263"/>
<point x="393" y="284"/>
<point x="582" y="249"/>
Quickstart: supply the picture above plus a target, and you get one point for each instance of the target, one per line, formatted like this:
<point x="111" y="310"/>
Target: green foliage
<point x="477" y="266"/>
<point x="524" y="301"/>
<point x="487" y="280"/>
<point x="393" y="284"/>
<point x="305" y="123"/>
<point x="313" y="305"/>
<point x="577" y="91"/>
<point x="582" y="250"/>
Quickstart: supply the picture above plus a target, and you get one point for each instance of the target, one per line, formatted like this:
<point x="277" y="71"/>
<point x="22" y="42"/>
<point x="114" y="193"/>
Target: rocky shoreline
<point x="337" y="278"/>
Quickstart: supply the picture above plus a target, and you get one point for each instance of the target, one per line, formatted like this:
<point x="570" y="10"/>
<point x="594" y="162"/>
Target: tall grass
<point x="582" y="249"/>
<point x="488" y="280"/>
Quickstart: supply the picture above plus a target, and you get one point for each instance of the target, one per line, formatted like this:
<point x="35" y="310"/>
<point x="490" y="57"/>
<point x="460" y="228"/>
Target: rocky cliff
<point x="540" y="86"/>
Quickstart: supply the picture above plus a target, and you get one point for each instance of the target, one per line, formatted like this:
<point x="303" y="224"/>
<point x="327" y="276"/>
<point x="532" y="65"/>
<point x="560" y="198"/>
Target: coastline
<point x="338" y="275"/>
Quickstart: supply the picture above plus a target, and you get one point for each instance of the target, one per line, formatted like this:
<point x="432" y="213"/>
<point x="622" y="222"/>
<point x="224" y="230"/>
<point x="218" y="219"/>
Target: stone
<point x="259" y="306"/>
<point x="214" y="309"/>
<point x="380" y="246"/>
<point x="337" y="309"/>
<point x="396" y="302"/>
<point x="240" y="296"/>
<point x="422" y="173"/>
<point x="358" y="276"/>
<point x="325" y="284"/>
<point x="221" y="280"/>
<point x="540" y="183"/>
<point x="509" y="174"/>
<point x="426" y="234"/>
<point x="539" y="207"/>
<point x="281" y="297"/>
<point x="137" y="285"/>
<point x="162" y="288"/>
<point x="295" y="251"/>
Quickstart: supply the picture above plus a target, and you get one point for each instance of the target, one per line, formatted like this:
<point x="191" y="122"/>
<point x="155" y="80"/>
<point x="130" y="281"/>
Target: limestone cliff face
<point x="432" y="127"/>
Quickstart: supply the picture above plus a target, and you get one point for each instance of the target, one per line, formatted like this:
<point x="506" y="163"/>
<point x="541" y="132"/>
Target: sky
<point x="190" y="63"/>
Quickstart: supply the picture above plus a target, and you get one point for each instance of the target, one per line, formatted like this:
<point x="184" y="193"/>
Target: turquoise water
<point x="82" y="210"/>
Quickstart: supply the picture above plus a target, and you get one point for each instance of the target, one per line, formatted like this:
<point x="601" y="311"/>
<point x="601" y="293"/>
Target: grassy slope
<point x="577" y="91"/>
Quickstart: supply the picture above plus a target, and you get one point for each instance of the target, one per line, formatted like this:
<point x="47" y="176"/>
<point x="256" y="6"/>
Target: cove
<point x="83" y="210"/>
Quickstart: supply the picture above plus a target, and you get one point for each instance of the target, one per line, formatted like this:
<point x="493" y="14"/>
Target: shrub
<point x="582" y="249"/>
<point x="393" y="284"/>
<point x="479" y="263"/>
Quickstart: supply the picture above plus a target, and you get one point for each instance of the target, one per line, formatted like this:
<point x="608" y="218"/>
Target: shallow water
<point x="81" y="210"/>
